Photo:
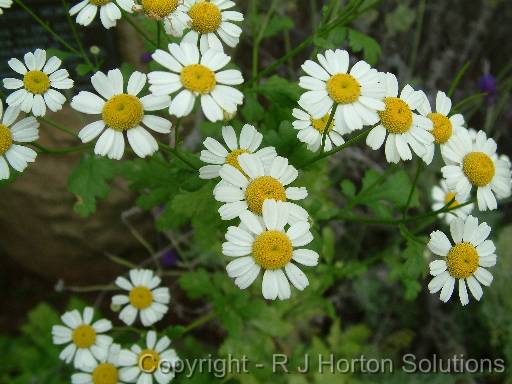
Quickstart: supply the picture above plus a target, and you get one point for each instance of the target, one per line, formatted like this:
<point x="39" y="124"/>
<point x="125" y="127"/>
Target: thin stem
<point x="122" y="262"/>
<point x="469" y="99"/>
<point x="458" y="77"/>
<point x="91" y="288"/>
<point x="76" y="37"/>
<point x="47" y="28"/>
<point x="177" y="133"/>
<point x="259" y="37"/>
<point x="199" y="322"/>
<point x="138" y="29"/>
<point x="158" y="33"/>
<point x="326" y="128"/>
<point x="347" y="144"/>
<point x="60" y="151"/>
<point x="417" y="36"/>
<point x="178" y="154"/>
<point x="419" y="168"/>
<point x="57" y="125"/>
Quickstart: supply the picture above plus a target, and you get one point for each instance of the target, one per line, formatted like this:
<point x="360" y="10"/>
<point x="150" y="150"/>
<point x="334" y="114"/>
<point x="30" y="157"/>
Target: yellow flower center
<point x="36" y="82"/>
<point x="321" y="124"/>
<point x="105" y="374"/>
<point x="5" y="139"/>
<point x="99" y="3"/>
<point x="122" y="112"/>
<point x="442" y="127"/>
<point x="462" y="260"/>
<point x="232" y="158"/>
<point x="449" y="197"/>
<point x="198" y="78"/>
<point x="343" y="88"/>
<point x="261" y="189"/>
<point x="272" y="249"/>
<point x="141" y="297"/>
<point x="478" y="168"/>
<point x="84" y="336"/>
<point x="159" y="8"/>
<point x="148" y="361"/>
<point x="397" y="117"/>
<point x="206" y="17"/>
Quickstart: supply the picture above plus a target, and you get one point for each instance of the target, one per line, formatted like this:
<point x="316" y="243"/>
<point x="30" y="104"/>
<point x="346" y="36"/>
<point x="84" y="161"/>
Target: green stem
<point x="60" y="151"/>
<point x="199" y="322"/>
<point x="138" y="29"/>
<point x="413" y="187"/>
<point x="456" y="81"/>
<point x="467" y="100"/>
<point x="177" y="133"/>
<point x="349" y="143"/>
<point x="76" y="37"/>
<point x="259" y="37"/>
<point x="57" y="125"/>
<point x="417" y="36"/>
<point x="158" y="33"/>
<point x="178" y="154"/>
<point x="47" y="28"/>
<point x="326" y="128"/>
<point x="91" y="288"/>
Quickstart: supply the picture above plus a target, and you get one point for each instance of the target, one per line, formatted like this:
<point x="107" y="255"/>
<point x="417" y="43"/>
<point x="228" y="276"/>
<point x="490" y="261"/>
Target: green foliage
<point x="360" y="42"/>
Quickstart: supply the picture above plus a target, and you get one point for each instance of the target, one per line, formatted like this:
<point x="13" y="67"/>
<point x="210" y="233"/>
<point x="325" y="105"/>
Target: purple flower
<point x="487" y="83"/>
<point x="169" y="258"/>
<point x="145" y="58"/>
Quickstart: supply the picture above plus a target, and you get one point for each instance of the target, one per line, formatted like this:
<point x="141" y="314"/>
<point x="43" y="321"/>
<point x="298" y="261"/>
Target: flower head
<point x="38" y="87"/>
<point x="173" y="13"/>
<point x="86" y="11"/>
<point x="465" y="260"/>
<point x="121" y="112"/>
<point x="196" y="75"/>
<point x="5" y="4"/>
<point x="144" y="297"/>
<point x="104" y="371"/>
<point x="441" y="196"/>
<point x="263" y="243"/>
<point x="85" y="341"/>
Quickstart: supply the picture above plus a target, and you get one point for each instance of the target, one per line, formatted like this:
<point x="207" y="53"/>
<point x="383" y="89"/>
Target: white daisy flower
<point x="262" y="243"/>
<point x="216" y="154"/>
<point x="145" y="296"/>
<point x="465" y="260"/>
<point x="109" y="11"/>
<point x="197" y="75"/>
<point x="311" y="130"/>
<point x="85" y="340"/>
<point x="444" y="125"/>
<point x="38" y="88"/>
<point x="211" y="22"/>
<point x="172" y="12"/>
<point x="156" y="361"/>
<point x="121" y="112"/>
<point x="475" y="164"/>
<point x="24" y="131"/>
<point x="247" y="188"/>
<point x="105" y="371"/>
<point x="405" y="129"/>
<point x="441" y="196"/>
<point x="5" y="4"/>
<point x="357" y="94"/>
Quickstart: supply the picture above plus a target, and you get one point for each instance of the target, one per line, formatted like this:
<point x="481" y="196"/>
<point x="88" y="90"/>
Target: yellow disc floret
<point x="206" y="17"/>
<point x="478" y="168"/>
<point x="397" y="117"/>
<point x="159" y="8"/>
<point x="450" y="197"/>
<point x="99" y="3"/>
<point x="141" y="297"/>
<point x="232" y="158"/>
<point x="321" y="124"/>
<point x="261" y="189"/>
<point x="343" y="88"/>
<point x="122" y="112"/>
<point x="462" y="260"/>
<point x="36" y="82"/>
<point x="442" y="127"/>
<point x="5" y="139"/>
<point x="272" y="249"/>
<point x="105" y="374"/>
<point x="84" y="336"/>
<point x="198" y="78"/>
<point x="149" y="361"/>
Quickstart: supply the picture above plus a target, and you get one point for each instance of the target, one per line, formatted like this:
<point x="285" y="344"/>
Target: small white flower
<point x="357" y="94"/>
<point x="121" y="112"/>
<point x="216" y="154"/>
<point x="5" y="4"/>
<point x="247" y="188"/>
<point x="24" y="131"/>
<point x="145" y="296"/>
<point x="444" y="125"/>
<point x="172" y="12"/>
<point x="311" y="130"/>
<point x="475" y="164"/>
<point x="38" y="88"/>
<point x="86" y="344"/>
<point x="197" y="75"/>
<point x="109" y="11"/>
<point x="465" y="260"/>
<point x="441" y="196"/>
<point x="156" y="361"/>
<point x="405" y="129"/>
<point x="262" y="243"/>
<point x="211" y="22"/>
<point x="105" y="371"/>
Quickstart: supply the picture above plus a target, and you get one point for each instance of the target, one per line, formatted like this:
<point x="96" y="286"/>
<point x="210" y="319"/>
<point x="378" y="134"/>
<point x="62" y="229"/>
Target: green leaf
<point x="88" y="182"/>
<point x="196" y="284"/>
<point x="360" y="42"/>
<point x="252" y="110"/>
<point x="280" y="91"/>
<point x="83" y="69"/>
<point x="277" y="24"/>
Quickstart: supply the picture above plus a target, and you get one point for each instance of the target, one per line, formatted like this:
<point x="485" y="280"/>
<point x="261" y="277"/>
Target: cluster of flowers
<point x="98" y="358"/>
